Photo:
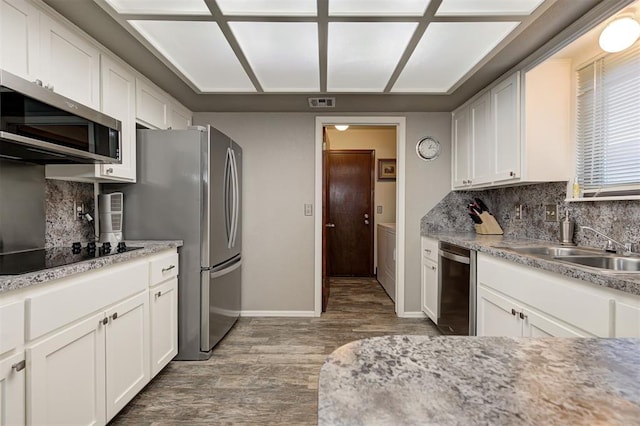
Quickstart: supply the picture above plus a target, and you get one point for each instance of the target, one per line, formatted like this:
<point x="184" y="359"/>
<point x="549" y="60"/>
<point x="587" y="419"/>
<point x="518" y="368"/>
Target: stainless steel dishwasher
<point x="457" y="290"/>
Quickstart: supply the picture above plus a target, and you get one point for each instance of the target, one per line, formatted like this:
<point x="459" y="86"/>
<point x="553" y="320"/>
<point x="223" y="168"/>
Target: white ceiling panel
<point x="447" y="51"/>
<point x="161" y="7"/>
<point x="283" y="55"/>
<point x="200" y="51"/>
<point x="377" y="7"/>
<point x="362" y="56"/>
<point x="268" y="7"/>
<point x="487" y="7"/>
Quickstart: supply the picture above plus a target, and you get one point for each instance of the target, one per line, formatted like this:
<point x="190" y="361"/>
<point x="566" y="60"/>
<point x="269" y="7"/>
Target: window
<point x="608" y="121"/>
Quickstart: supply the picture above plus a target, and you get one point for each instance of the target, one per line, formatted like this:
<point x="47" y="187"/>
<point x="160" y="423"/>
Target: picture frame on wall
<point x="387" y="169"/>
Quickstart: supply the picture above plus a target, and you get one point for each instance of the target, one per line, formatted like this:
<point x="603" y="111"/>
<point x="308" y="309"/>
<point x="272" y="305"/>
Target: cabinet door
<point x="65" y="381"/>
<point x="164" y="324"/>
<point x="127" y="349"/>
<point x="70" y="64"/>
<point x="627" y="317"/>
<point x="12" y="391"/>
<point x="497" y="315"/>
<point x="179" y="118"/>
<point x="505" y="104"/>
<point x="461" y="158"/>
<point x="481" y="146"/>
<point x="538" y="325"/>
<point x="430" y="289"/>
<point x="151" y="106"/>
<point x="19" y="45"/>
<point x="118" y="101"/>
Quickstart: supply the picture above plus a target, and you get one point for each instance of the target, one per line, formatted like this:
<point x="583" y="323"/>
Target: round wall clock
<point x="428" y="148"/>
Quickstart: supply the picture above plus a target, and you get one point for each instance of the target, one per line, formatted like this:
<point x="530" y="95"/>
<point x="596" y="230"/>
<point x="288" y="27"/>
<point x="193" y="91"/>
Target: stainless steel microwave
<point x="38" y="125"/>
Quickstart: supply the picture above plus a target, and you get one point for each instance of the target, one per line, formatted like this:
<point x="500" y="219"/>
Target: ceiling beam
<point x="323" y="36"/>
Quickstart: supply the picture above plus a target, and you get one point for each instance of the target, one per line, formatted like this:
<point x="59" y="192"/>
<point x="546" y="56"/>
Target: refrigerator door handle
<point x="226" y="270"/>
<point x="226" y="197"/>
<point x="236" y="198"/>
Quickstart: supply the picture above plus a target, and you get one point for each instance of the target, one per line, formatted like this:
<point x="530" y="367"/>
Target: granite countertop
<point x="13" y="282"/>
<point x="481" y="380"/>
<point x="490" y="244"/>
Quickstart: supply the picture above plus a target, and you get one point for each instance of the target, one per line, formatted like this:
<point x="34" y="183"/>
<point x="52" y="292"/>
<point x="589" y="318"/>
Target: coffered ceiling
<point x="371" y="55"/>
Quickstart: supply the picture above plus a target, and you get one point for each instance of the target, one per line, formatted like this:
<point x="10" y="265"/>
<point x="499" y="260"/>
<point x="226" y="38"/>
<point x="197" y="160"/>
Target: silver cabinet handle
<point x="427" y="250"/>
<point x="19" y="366"/>
<point x="38" y="82"/>
<point x="114" y="316"/>
<point x="103" y="321"/>
<point x="512" y="174"/>
<point x="513" y="312"/>
<point x="158" y="294"/>
<point x="330" y="225"/>
<point x="523" y="316"/>
<point x="109" y="170"/>
<point x="433" y="268"/>
<point x="168" y="268"/>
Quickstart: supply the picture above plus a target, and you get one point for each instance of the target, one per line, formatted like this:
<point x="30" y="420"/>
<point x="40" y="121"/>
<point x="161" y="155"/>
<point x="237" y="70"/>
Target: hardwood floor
<point x="265" y="371"/>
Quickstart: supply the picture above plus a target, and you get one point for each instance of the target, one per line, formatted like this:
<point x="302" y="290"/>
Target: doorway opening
<point x="359" y="181"/>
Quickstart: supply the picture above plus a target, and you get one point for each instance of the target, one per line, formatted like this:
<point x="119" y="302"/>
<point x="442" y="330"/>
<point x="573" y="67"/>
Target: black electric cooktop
<point x="36" y="260"/>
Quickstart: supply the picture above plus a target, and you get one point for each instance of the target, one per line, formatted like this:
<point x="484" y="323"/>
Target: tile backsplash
<point x="62" y="228"/>
<point x="618" y="219"/>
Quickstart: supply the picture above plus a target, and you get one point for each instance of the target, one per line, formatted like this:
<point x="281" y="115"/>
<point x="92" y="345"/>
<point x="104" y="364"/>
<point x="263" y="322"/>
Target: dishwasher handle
<point x="454" y="257"/>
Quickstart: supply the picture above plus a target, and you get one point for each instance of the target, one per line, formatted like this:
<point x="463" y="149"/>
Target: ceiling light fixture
<point x="619" y="34"/>
<point x="341" y="127"/>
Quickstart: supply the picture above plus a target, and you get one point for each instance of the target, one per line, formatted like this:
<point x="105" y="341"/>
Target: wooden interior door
<point x="325" y="235"/>
<point x="349" y="222"/>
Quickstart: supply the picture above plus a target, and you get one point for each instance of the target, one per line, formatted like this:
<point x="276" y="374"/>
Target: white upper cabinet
<point x="505" y="113"/>
<point x="152" y="106"/>
<point x="20" y="44"/>
<point x="70" y="64"/>
<point x="461" y="156"/>
<point x="526" y="137"/>
<point x="179" y="117"/>
<point x="40" y="49"/>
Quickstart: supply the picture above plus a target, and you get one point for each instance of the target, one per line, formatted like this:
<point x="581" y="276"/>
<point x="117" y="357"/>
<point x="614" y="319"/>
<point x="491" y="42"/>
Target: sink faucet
<point x="627" y="248"/>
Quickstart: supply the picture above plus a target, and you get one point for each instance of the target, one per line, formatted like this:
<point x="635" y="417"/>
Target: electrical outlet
<point x="551" y="213"/>
<point x="379" y="209"/>
<point x="77" y="209"/>
<point x="518" y="212"/>
<point x="308" y="209"/>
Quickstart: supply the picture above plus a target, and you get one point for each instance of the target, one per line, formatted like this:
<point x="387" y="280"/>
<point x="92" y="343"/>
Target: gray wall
<point x="279" y="170"/>
<point x="36" y="212"/>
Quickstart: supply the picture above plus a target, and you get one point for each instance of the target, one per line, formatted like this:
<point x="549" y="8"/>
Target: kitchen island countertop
<point x="14" y="282"/>
<point x="481" y="380"/>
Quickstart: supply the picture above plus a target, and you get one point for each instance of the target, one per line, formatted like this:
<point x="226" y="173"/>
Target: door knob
<point x="366" y="222"/>
<point x="366" y="216"/>
<point x="330" y="225"/>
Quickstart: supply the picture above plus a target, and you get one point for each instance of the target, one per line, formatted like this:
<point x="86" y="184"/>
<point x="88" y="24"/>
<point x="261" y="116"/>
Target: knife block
<point x="489" y="226"/>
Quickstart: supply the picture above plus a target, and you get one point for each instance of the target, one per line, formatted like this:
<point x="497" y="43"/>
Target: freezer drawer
<point x="220" y="302"/>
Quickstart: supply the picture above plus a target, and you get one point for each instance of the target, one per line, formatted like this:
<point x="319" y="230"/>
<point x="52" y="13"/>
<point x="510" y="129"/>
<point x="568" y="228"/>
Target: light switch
<point x="379" y="209"/>
<point x="308" y="209"/>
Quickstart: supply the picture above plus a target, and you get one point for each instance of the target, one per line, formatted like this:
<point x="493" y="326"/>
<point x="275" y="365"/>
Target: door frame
<point x="372" y="190"/>
<point x="400" y="124"/>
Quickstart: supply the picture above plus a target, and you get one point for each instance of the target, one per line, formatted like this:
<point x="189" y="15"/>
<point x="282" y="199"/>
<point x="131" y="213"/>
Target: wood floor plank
<point x="265" y="371"/>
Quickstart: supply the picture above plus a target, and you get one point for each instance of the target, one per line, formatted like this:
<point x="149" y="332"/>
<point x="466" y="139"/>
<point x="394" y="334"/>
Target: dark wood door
<point x="349" y="223"/>
<point x="325" y="234"/>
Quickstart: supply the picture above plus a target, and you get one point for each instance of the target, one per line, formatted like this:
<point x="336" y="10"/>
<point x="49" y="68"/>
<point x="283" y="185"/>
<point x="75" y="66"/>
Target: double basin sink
<point x="604" y="261"/>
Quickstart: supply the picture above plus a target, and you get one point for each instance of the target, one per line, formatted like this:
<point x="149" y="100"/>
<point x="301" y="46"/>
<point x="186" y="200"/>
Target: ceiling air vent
<point x="322" y="102"/>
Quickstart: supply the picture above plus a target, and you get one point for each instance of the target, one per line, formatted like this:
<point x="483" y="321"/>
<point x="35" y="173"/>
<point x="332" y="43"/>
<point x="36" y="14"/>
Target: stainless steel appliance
<point x="111" y="208"/>
<point x="189" y="188"/>
<point x="457" y="290"/>
<point x="38" y="125"/>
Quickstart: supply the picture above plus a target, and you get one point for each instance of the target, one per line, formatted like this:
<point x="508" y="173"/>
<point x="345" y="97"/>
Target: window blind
<point x="608" y="124"/>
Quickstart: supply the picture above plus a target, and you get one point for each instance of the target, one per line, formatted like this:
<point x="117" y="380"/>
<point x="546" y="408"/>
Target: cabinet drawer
<point x="572" y="301"/>
<point x="163" y="268"/>
<point x="83" y="295"/>
<point x="11" y="326"/>
<point x="430" y="248"/>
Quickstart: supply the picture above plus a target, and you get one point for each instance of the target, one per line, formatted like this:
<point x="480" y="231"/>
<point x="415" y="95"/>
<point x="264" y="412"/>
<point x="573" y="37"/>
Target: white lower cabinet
<point x="12" y="390"/>
<point x="127" y="351"/>
<point x="430" y="288"/>
<point x="163" y="300"/>
<point x="66" y="376"/>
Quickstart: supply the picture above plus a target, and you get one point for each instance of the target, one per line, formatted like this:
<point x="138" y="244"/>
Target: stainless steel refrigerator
<point x="189" y="188"/>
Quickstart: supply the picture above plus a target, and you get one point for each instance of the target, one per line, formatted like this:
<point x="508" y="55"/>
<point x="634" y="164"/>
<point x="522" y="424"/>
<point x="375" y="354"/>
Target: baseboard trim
<point x="412" y="315"/>
<point x="277" y="314"/>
